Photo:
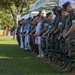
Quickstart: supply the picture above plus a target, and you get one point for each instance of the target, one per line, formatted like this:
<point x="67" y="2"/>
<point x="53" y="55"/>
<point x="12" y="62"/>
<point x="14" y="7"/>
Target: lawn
<point x="16" y="61"/>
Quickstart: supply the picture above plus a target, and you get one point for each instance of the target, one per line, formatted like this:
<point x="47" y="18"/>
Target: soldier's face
<point x="56" y="13"/>
<point x="38" y="19"/>
<point x="69" y="8"/>
<point x="64" y="14"/>
<point x="50" y="17"/>
<point x="34" y="20"/>
<point x="24" y="21"/>
<point x="21" y="22"/>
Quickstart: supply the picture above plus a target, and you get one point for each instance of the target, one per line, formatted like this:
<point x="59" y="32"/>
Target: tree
<point x="16" y="8"/>
<point x="5" y="20"/>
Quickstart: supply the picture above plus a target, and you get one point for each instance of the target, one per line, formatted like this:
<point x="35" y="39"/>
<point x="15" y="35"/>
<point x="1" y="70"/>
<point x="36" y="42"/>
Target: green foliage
<point x="5" y="19"/>
<point x="14" y="8"/>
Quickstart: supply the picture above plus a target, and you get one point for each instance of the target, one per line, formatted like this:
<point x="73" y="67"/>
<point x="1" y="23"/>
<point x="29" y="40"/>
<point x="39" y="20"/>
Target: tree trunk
<point x="16" y="18"/>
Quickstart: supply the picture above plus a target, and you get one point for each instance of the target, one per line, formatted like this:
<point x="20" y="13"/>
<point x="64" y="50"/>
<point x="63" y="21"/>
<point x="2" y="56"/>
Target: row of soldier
<point x="51" y="39"/>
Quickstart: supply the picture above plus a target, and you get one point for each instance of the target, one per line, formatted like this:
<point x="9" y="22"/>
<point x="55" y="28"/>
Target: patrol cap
<point x="56" y="8"/>
<point x="38" y="15"/>
<point x="60" y="11"/>
<point x="65" y="5"/>
<point x="48" y="14"/>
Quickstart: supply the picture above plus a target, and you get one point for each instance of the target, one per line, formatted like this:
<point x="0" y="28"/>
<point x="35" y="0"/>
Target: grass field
<point x="16" y="61"/>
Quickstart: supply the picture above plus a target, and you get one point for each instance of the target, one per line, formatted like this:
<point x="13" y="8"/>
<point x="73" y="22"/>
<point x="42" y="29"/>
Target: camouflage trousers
<point x="70" y="46"/>
<point x="47" y="45"/>
<point x="62" y="46"/>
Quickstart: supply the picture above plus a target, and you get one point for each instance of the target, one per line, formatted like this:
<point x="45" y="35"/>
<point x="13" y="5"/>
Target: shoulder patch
<point x="50" y="27"/>
<point x="73" y="21"/>
<point x="45" y="24"/>
<point x="60" y="23"/>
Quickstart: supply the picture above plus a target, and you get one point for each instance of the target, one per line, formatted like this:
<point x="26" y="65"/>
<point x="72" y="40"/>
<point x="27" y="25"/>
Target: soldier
<point x="57" y="25"/>
<point x="69" y="35"/>
<point x="46" y="35"/>
<point x="17" y="33"/>
<point x="21" y="34"/>
<point x="63" y="52"/>
<point x="32" y="32"/>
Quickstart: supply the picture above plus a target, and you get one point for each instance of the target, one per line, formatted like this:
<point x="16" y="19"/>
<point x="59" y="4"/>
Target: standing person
<point x="29" y="32"/>
<point x="37" y="38"/>
<point x="55" y="33"/>
<point x="69" y="35"/>
<point x="64" y="16"/>
<point x="43" y="18"/>
<point x="17" y="33"/>
<point x="27" y="46"/>
<point x="46" y="35"/>
<point x="33" y="30"/>
<point x="21" y="36"/>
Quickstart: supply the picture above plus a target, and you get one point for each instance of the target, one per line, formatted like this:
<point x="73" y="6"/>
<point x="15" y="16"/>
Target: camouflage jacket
<point x="69" y="22"/>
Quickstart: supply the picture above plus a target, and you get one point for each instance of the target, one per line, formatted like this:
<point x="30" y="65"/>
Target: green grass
<point x="16" y="61"/>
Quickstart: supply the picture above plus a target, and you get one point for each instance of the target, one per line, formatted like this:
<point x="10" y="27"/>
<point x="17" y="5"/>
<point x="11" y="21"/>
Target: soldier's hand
<point x="38" y="34"/>
<point x="52" y="36"/>
<point x="35" y="35"/>
<point x="44" y="36"/>
<point x="30" y="34"/>
<point x="64" y="34"/>
<point x="48" y="34"/>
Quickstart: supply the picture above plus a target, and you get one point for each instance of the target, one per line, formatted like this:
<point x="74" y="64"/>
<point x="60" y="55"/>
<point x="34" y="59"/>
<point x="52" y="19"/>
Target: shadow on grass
<point x="16" y="61"/>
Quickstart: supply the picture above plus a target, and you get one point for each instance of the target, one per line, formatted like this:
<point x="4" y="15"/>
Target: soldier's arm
<point x="46" y="32"/>
<point x="43" y="30"/>
<point x="71" y="30"/>
<point x="29" y="31"/>
<point x="34" y="30"/>
<point x="52" y="30"/>
<point x="59" y="28"/>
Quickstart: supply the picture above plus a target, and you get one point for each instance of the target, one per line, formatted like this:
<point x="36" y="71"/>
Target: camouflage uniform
<point x="70" y="40"/>
<point x="64" y="51"/>
<point x="32" y="38"/>
<point x="48" y="40"/>
<point x="56" y="43"/>
<point x="18" y="37"/>
<point x="52" y="51"/>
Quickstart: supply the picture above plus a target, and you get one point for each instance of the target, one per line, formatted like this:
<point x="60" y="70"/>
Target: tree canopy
<point x="11" y="10"/>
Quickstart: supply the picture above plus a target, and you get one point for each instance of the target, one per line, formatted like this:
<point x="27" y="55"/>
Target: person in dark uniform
<point x="69" y="35"/>
<point x="17" y="33"/>
<point x="63" y="51"/>
<point x="32" y="32"/>
<point x="49" y="23"/>
<point x="55" y="33"/>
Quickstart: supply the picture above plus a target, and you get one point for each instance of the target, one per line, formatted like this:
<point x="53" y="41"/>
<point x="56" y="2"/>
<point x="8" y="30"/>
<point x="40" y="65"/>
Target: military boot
<point x="45" y="58"/>
<point x="59" y="64"/>
<point x="73" y="72"/>
<point x="48" y="61"/>
<point x="64" y="65"/>
<point x="68" y="69"/>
